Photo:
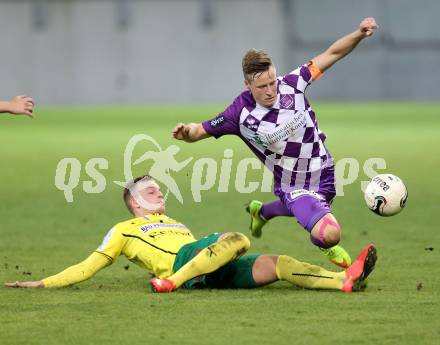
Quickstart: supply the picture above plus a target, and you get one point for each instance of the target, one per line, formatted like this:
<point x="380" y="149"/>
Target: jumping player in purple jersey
<point x="275" y="120"/>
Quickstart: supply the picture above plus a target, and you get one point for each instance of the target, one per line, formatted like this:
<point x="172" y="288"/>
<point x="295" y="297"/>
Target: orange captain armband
<point x="314" y="70"/>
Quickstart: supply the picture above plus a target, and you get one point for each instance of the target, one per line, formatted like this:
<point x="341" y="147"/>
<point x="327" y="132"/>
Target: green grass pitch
<point x="41" y="234"/>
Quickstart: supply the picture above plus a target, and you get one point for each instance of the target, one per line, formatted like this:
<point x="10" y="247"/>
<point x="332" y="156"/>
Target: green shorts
<point x="234" y="275"/>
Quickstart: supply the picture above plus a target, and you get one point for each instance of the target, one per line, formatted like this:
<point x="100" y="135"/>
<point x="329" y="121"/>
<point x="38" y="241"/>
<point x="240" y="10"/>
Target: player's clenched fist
<point x="367" y="26"/>
<point x="181" y="131"/>
<point x="189" y="132"/>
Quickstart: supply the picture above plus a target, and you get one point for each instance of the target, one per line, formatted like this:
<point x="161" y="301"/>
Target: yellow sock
<point x="212" y="258"/>
<point x="308" y="276"/>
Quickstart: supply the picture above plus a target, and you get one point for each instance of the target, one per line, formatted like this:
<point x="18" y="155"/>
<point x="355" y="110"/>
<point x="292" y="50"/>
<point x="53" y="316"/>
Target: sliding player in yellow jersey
<point x="168" y="249"/>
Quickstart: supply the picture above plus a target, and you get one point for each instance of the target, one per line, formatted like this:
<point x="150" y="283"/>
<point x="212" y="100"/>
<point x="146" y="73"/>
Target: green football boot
<point x="338" y="256"/>
<point x="257" y="223"/>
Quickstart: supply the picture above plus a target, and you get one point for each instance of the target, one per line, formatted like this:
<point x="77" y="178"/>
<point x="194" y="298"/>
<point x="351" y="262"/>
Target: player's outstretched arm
<point x="19" y="105"/>
<point x="345" y="45"/>
<point x="72" y="275"/>
<point x="31" y="284"/>
<point x="190" y="132"/>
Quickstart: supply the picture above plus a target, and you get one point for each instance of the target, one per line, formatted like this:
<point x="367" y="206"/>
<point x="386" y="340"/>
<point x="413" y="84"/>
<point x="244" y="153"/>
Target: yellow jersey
<point x="151" y="242"/>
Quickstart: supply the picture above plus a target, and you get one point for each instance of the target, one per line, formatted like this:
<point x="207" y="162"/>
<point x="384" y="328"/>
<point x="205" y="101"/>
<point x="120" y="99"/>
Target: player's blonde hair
<point x="255" y="62"/>
<point x="127" y="195"/>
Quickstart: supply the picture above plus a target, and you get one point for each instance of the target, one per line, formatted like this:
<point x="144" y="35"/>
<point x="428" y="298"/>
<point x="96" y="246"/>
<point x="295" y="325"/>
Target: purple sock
<point x="274" y="209"/>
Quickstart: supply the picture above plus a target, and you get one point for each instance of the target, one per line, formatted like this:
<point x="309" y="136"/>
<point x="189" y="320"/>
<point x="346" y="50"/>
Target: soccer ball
<point x="386" y="195"/>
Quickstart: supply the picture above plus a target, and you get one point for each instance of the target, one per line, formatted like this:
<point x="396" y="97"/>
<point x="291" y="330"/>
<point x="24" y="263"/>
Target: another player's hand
<point x="33" y="284"/>
<point x="21" y="105"/>
<point x="367" y="26"/>
<point x="181" y="132"/>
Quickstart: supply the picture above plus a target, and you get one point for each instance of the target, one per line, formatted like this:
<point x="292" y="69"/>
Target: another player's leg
<point x="229" y="247"/>
<point x="326" y="234"/>
<point x="308" y="276"/>
<point x="261" y="213"/>
<point x="268" y="269"/>
<point x="313" y="213"/>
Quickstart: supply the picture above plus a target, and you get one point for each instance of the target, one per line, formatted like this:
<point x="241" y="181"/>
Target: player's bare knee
<point x="264" y="269"/>
<point x="332" y="235"/>
<point x="327" y="230"/>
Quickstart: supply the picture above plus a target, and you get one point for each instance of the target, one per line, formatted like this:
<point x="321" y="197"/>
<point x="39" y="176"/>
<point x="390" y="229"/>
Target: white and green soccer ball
<point x="386" y="195"/>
